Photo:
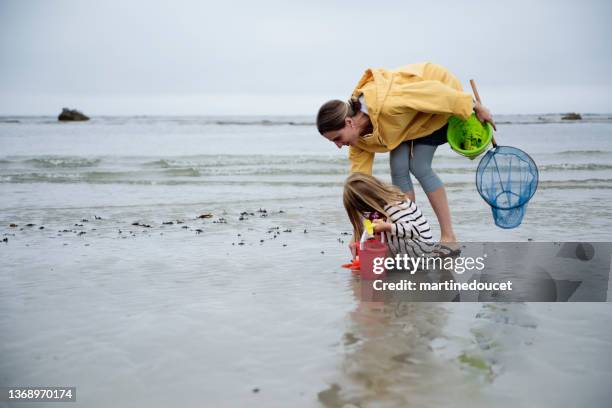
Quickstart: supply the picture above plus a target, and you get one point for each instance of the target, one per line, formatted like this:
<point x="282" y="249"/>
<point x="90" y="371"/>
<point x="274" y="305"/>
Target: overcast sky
<point x="287" y="57"/>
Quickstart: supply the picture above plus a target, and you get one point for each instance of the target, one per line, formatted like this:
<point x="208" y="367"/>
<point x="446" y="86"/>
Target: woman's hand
<point x="381" y="226"/>
<point x="483" y="114"/>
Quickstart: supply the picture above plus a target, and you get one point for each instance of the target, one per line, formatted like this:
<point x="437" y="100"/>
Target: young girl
<point x="406" y="229"/>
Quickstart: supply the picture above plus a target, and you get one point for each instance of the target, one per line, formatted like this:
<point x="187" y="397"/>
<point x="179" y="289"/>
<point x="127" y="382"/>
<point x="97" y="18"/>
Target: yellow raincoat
<point x="404" y="104"/>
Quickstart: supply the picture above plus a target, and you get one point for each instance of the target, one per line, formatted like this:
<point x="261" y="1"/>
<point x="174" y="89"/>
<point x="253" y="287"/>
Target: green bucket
<point x="469" y="138"/>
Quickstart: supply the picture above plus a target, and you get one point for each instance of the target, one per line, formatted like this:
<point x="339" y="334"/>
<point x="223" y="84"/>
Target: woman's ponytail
<point x="354" y="106"/>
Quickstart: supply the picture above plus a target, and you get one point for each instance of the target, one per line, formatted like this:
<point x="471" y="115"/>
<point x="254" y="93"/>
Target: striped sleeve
<point x="408" y="222"/>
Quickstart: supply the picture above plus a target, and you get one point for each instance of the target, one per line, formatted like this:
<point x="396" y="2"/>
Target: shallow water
<point x="253" y="309"/>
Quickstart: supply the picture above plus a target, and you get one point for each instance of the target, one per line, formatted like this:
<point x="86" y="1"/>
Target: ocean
<point x="167" y="261"/>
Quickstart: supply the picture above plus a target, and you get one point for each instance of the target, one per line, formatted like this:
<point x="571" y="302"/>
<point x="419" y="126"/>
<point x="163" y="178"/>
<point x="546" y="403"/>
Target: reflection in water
<point x="388" y="357"/>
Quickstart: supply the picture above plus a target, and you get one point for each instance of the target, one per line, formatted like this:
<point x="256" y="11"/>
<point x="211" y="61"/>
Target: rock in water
<point x="71" y="115"/>
<point x="571" y="116"/>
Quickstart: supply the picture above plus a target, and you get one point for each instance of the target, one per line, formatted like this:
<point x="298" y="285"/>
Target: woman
<point x="404" y="111"/>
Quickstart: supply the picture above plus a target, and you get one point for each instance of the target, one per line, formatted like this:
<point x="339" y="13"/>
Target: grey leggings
<point x="419" y="165"/>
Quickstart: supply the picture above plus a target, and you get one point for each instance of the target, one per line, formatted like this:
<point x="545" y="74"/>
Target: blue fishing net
<point x="506" y="179"/>
<point x="508" y="218"/>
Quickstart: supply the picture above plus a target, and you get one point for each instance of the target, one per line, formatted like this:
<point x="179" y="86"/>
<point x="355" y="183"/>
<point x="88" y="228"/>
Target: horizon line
<point x="6" y="115"/>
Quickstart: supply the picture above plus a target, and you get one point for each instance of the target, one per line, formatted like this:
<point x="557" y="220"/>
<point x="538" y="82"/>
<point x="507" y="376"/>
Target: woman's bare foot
<point x="446" y="250"/>
<point x="448" y="239"/>
<point x="448" y="246"/>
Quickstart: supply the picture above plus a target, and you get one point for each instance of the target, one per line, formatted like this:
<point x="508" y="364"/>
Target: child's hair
<point x="364" y="193"/>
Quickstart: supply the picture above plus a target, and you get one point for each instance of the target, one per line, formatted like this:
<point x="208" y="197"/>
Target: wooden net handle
<point x="477" y="96"/>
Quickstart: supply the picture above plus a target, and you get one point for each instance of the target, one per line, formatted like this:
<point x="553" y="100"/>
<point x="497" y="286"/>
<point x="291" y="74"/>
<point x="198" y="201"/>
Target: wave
<point x="444" y="162"/>
<point x="263" y="122"/>
<point x="587" y="184"/>
<point x="194" y="166"/>
<point x="62" y="162"/>
<point x="183" y="172"/>
<point x="326" y="168"/>
<point x="160" y="173"/>
<point x="135" y="178"/>
<point x="93" y="177"/>
<point x="203" y="161"/>
<point x="42" y="178"/>
<point x="596" y="152"/>
<point x="575" y="166"/>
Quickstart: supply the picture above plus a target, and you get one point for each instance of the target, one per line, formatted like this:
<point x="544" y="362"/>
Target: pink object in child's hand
<point x="375" y="215"/>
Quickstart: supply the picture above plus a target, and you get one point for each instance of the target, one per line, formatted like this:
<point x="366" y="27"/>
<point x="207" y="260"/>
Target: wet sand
<point x="112" y="303"/>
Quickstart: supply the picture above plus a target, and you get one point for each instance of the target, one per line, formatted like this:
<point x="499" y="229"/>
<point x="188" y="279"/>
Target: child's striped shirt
<point x="410" y="232"/>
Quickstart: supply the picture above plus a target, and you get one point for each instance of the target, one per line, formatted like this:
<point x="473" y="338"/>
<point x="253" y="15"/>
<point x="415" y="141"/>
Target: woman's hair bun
<point x="354" y="105"/>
